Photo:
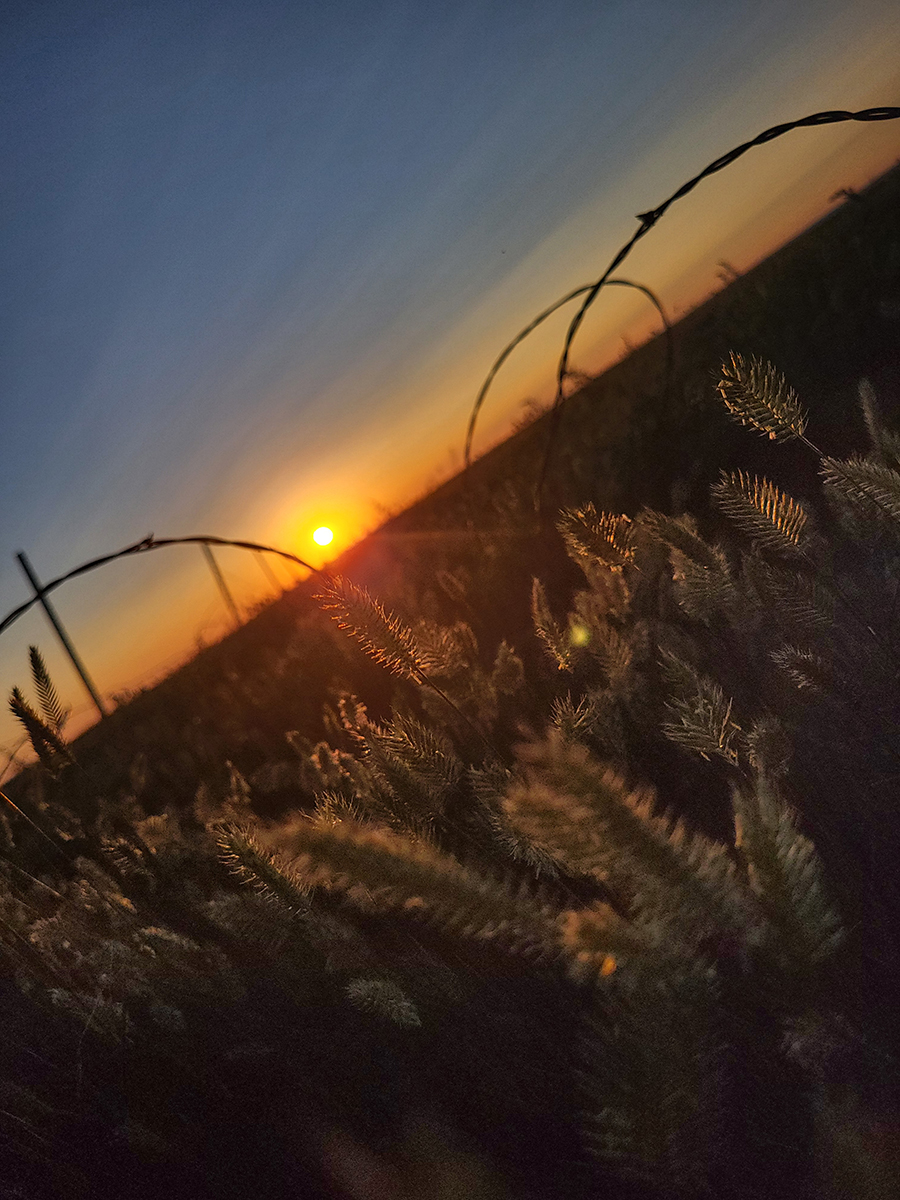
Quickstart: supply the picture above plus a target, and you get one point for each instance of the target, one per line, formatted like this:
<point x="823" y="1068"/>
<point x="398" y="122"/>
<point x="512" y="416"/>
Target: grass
<point x="194" y="1038"/>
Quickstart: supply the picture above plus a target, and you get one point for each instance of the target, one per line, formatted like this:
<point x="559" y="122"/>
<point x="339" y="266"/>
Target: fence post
<point x="269" y="573"/>
<point x="223" y="586"/>
<point x="61" y="633"/>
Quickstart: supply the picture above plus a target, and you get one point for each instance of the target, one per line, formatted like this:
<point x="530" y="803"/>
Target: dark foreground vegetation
<point x="504" y="888"/>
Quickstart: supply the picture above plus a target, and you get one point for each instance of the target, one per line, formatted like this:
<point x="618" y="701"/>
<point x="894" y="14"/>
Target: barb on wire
<point x="647" y="221"/>
<point x="150" y="543"/>
<point x="548" y="312"/>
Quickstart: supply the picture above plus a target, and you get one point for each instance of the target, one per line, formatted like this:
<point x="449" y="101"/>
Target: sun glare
<point x="323" y="535"/>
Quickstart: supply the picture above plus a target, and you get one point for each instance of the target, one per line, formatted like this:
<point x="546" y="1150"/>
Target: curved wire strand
<point x="548" y="312"/>
<point x="647" y="221"/>
<point x="145" y="544"/>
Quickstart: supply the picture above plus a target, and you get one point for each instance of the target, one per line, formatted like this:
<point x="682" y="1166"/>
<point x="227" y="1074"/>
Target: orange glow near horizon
<point x="315" y="529"/>
<point x="336" y="496"/>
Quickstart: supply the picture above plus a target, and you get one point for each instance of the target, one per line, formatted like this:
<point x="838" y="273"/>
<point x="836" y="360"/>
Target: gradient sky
<point x="258" y="257"/>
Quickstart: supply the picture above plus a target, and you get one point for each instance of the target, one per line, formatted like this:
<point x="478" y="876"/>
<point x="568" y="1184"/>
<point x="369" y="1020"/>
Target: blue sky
<point x="257" y="257"/>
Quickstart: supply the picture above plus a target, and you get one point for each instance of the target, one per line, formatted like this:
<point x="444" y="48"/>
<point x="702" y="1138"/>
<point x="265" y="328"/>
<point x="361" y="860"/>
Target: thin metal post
<point x="60" y="631"/>
<point x="223" y="586"/>
<point x="269" y="573"/>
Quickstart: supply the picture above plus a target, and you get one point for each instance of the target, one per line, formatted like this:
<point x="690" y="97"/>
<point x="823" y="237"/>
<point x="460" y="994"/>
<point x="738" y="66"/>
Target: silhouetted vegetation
<point x="564" y="867"/>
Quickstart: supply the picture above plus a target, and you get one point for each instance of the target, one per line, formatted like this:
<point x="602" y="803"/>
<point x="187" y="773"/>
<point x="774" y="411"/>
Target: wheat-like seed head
<point x="868" y="488"/>
<point x="254" y="864"/>
<point x="807" y="670"/>
<point x="679" y="533"/>
<point x="774" y="520"/>
<point x="805" y="927"/>
<point x="380" y="633"/>
<point x="700" y="711"/>
<point x="47" y="694"/>
<point x="760" y="397"/>
<point x="555" y="640"/>
<point x="46" y="742"/>
<point x="405" y="876"/>
<point x="598" y="537"/>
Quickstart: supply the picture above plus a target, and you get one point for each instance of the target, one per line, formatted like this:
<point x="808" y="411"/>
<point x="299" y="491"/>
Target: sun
<point x="323" y="535"/>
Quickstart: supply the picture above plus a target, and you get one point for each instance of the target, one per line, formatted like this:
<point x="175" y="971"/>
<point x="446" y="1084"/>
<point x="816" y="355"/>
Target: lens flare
<point x="323" y="535"/>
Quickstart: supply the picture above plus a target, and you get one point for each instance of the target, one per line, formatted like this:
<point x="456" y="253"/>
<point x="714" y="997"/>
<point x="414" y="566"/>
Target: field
<point x="446" y="983"/>
<point x="825" y="310"/>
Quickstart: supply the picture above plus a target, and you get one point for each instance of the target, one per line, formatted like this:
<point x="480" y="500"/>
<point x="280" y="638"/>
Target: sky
<point x="258" y="257"/>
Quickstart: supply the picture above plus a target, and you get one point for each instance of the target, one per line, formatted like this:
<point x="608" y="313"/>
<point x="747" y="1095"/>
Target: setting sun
<point x="323" y="536"/>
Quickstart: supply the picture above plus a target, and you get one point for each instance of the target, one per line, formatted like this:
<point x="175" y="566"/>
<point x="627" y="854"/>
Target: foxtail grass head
<point x="759" y="396"/>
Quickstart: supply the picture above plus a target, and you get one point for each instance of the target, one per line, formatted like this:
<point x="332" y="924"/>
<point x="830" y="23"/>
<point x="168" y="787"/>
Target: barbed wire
<point x="152" y="543"/>
<point x="590" y="291"/>
<point x="647" y="220"/>
<point x="548" y="312"/>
